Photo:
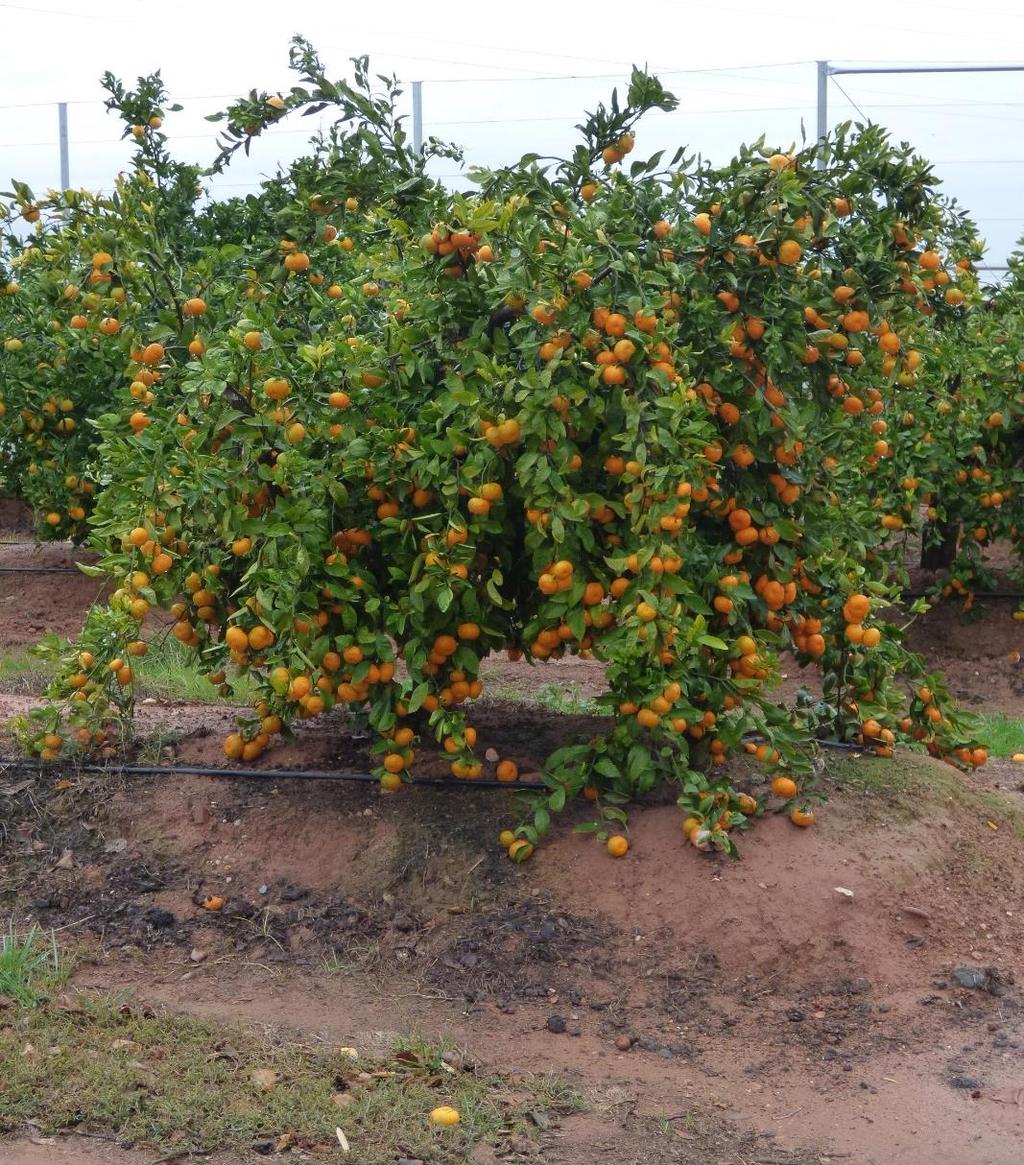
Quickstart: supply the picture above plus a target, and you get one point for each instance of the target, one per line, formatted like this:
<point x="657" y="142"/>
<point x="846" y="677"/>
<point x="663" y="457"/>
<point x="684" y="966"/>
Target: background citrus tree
<point x="649" y="411"/>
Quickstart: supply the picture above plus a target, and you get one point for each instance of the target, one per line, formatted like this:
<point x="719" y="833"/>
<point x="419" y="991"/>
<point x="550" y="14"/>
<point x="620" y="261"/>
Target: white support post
<point x="65" y="162"/>
<point x="417" y="116"/>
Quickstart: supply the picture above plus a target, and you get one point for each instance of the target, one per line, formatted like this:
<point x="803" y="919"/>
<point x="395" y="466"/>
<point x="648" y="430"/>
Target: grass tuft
<point x="31" y="966"/>
<point x="1002" y="735"/>
<point x="168" y="671"/>
<point x="564" y="698"/>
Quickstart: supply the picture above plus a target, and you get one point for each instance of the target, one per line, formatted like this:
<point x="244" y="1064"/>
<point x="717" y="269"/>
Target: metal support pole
<point x="65" y="163"/>
<point x="417" y="116"/>
<point x="929" y="69"/>
<point x="823" y="76"/>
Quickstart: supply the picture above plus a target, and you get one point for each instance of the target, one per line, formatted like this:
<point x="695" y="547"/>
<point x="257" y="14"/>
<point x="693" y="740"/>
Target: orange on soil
<point x="784" y="787"/>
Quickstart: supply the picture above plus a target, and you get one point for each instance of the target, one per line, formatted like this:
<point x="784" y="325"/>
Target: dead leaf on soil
<point x="484" y="1155"/>
<point x="117" y="846"/>
<point x="14" y="788"/>
<point x="342" y="1139"/>
<point x="66" y="861"/>
<point x="264" y="1078"/>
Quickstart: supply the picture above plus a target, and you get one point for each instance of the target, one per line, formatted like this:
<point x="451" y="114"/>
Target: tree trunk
<point x="938" y="545"/>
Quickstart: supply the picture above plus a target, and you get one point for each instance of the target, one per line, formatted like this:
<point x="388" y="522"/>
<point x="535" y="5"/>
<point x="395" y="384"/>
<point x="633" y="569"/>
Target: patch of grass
<point x="892" y="780"/>
<point x="175" y="1082"/>
<point x="910" y="786"/>
<point x="158" y="746"/>
<point x="563" y="698"/>
<point x="23" y="674"/>
<point x="31" y="966"/>
<point x="1002" y="735"/>
<point x="167" y="672"/>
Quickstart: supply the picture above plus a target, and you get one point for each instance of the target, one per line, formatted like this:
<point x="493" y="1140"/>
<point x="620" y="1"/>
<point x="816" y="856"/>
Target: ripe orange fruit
<point x="445" y="1116"/>
<point x="802" y="817"/>
<point x="790" y="252"/>
<point x="507" y="770"/>
<point x="277" y="388"/>
<point x="784" y="787"/>
<point x="260" y="637"/>
<point x="746" y="804"/>
<point x="618" y="846"/>
<point x="233" y="745"/>
<point x="152" y="354"/>
<point x="856" y="608"/>
<point x="194" y="307"/>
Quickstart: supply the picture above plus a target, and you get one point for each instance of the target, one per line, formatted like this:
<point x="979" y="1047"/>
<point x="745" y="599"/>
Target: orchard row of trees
<point x="358" y="431"/>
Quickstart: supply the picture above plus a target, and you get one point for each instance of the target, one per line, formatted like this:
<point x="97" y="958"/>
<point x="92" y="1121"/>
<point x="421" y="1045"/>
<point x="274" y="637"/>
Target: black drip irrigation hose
<point x="39" y="570"/>
<point x="957" y="595"/>
<point x="21" y="764"/>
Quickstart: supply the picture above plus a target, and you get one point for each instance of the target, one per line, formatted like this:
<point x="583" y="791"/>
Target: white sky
<point x="495" y="78"/>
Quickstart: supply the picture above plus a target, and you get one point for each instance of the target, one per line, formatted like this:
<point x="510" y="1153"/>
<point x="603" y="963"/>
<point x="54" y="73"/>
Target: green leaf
<point x="420" y="693"/>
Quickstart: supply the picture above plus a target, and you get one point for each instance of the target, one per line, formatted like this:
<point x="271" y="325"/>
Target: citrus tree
<point x="646" y="411"/>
